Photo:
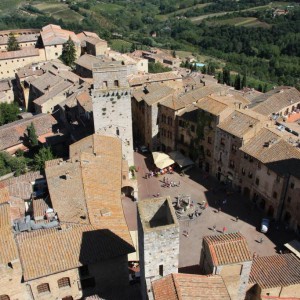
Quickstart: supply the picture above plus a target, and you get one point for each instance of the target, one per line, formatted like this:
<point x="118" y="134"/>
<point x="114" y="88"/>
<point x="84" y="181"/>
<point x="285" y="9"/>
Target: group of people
<point x="168" y="183"/>
<point x="158" y="172"/>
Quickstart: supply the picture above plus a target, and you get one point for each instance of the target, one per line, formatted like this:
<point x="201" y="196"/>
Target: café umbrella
<point x="162" y="160"/>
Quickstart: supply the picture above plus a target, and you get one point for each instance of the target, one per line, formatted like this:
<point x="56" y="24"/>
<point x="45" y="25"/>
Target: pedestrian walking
<point x="219" y="209"/>
<point x="214" y="228"/>
<point x="224" y="229"/>
<point x="157" y="195"/>
<point x="261" y="240"/>
<point x="164" y="180"/>
<point x="236" y="218"/>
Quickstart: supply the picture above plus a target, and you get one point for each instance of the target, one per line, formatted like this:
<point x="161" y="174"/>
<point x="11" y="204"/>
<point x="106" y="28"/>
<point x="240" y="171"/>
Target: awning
<point x="294" y="247"/>
<point x="162" y="160"/>
<point x="180" y="159"/>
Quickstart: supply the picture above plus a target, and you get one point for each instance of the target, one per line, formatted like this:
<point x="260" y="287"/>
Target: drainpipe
<point x="286" y="182"/>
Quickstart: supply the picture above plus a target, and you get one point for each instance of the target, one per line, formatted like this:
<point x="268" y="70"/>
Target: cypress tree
<point x="32" y="136"/>
<point x="69" y="53"/>
<point x="237" y="82"/>
<point x="12" y="44"/>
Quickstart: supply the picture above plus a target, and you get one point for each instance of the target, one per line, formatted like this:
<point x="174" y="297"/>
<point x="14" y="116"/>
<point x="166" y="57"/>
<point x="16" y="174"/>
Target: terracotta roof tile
<point x="4" y="194"/>
<point x="54" y="35"/>
<point x="240" y="122"/>
<point x="211" y="105"/>
<point x="187" y="286"/>
<point x="272" y="150"/>
<point x="48" y="251"/>
<point x="13" y="133"/>
<point x="158" y="77"/>
<point x="276" y="100"/>
<point x="8" y="249"/>
<point x="39" y="208"/>
<point x="275" y="271"/>
<point x="228" y="248"/>
<point x="25" y="52"/>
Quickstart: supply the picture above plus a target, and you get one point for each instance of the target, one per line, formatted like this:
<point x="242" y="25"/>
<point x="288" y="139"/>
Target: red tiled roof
<point x="187" y="286"/>
<point x="227" y="248"/>
<point x="8" y="249"/>
<point x="275" y="271"/>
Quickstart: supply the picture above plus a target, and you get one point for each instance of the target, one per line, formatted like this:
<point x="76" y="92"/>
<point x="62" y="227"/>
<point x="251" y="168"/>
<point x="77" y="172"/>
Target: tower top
<point x="157" y="214"/>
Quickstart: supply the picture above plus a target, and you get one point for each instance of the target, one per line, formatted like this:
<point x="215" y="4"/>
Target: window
<point x="222" y="141"/>
<point x="231" y="164"/>
<point x="278" y="178"/>
<point x="250" y="159"/>
<point x="292" y="185"/>
<point x="43" y="288"/>
<point x="257" y="181"/>
<point x="116" y="83"/>
<point x="163" y="118"/>
<point x="259" y="165"/>
<point x="250" y="174"/>
<point x="192" y="128"/>
<point x="170" y="121"/>
<point x="181" y="123"/>
<point x="243" y="171"/>
<point x="161" y="270"/>
<point x="182" y="138"/>
<point x="274" y="195"/>
<point x="209" y="140"/>
<point x="208" y="153"/>
<point x="4" y="297"/>
<point x="56" y="54"/>
<point x="234" y="148"/>
<point x="246" y="156"/>
<point x="64" y="282"/>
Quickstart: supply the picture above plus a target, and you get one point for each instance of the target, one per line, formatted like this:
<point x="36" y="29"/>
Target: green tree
<point x="226" y="76"/>
<point x="9" y="164"/>
<point x="244" y="81"/>
<point x="158" y="68"/>
<point x="32" y="136"/>
<point x="12" y="44"/>
<point x="220" y="78"/>
<point x="69" y="52"/>
<point x="41" y="157"/>
<point x="133" y="47"/>
<point x="8" y="112"/>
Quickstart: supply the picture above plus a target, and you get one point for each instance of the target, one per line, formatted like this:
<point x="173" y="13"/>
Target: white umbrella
<point x="162" y="160"/>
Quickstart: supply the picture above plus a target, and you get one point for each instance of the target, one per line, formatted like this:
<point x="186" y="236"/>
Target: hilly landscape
<point x="256" y="38"/>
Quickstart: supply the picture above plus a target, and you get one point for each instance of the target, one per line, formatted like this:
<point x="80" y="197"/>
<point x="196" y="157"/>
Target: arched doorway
<point x="128" y="191"/>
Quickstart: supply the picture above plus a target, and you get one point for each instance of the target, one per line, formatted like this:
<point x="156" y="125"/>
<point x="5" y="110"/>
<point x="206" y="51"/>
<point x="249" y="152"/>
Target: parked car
<point x="265" y="223"/>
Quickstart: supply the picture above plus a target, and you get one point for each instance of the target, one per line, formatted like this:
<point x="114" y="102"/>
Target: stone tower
<point x="112" y="104"/>
<point x="158" y="232"/>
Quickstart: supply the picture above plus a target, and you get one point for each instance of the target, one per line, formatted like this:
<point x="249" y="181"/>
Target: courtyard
<point x="200" y="187"/>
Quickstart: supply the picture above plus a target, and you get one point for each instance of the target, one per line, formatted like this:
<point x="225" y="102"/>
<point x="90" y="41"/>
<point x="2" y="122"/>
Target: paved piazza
<point x="200" y="188"/>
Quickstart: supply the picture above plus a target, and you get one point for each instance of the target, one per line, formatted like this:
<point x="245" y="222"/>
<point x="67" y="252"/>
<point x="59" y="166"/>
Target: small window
<point x="257" y="181"/>
<point x="243" y="171"/>
<point x="231" y="164"/>
<point x="292" y="185"/>
<point x="192" y="128"/>
<point x="275" y="195"/>
<point x="234" y="148"/>
<point x="251" y="159"/>
<point x="208" y="153"/>
<point x="43" y="288"/>
<point x="250" y="174"/>
<point x="246" y="156"/>
<point x="222" y="141"/>
<point x="116" y="83"/>
<point x="278" y="178"/>
<point x="4" y="297"/>
<point x="161" y="270"/>
<point x="56" y="54"/>
<point x="259" y="165"/>
<point x="64" y="282"/>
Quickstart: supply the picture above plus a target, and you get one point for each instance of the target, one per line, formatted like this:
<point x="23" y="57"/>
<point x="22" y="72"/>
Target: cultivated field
<point x="240" y="21"/>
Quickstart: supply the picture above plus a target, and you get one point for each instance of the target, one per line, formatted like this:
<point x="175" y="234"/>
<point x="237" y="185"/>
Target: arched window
<point x="64" y="282"/>
<point x="4" y="297"/>
<point x="116" y="83"/>
<point x="43" y="288"/>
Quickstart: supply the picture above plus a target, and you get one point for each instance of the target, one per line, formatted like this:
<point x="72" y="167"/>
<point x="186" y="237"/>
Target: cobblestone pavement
<point x="200" y="188"/>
